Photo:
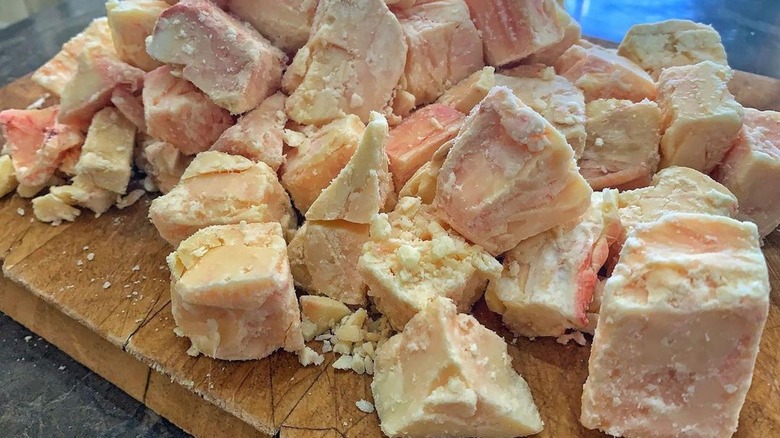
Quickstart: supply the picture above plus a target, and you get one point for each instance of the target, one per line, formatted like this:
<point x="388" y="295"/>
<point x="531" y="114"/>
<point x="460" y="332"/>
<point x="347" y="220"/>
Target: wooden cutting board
<point x="113" y="314"/>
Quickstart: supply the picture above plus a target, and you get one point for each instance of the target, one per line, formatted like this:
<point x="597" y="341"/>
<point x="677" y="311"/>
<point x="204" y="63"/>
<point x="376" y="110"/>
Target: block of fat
<point x="221" y="189"/>
<point x="313" y="164"/>
<point x="337" y="72"/>
<point x="571" y="35"/>
<point x="232" y="63"/>
<point x="414" y="141"/>
<point x="670" y="43"/>
<point x="701" y="119"/>
<point x="448" y="375"/>
<point x="59" y="70"/>
<point x="493" y="188"/>
<point x="131" y="22"/>
<point x="603" y="74"/>
<point x="37" y="143"/>
<point x="29" y="191"/>
<point x="232" y="293"/>
<point x="412" y="257"/>
<point x="469" y="92"/>
<point x="165" y="164"/>
<point x="444" y="47"/>
<point x="554" y="97"/>
<point x="513" y="30"/>
<point x="286" y="23"/>
<point x="81" y="192"/>
<point x="8" y="182"/>
<point x="678" y="333"/>
<point x="549" y="280"/>
<point x="423" y="183"/>
<point x="178" y="113"/>
<point x="362" y="187"/>
<point x="324" y="259"/>
<point x="50" y="208"/>
<point x="751" y="170"/>
<point x="323" y="312"/>
<point x="675" y="190"/>
<point x="91" y="87"/>
<point x="107" y="155"/>
<point x="258" y="134"/>
<point x="622" y="144"/>
<point x="131" y="106"/>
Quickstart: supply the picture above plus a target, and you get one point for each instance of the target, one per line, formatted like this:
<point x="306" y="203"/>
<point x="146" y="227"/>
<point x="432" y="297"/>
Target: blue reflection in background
<point x="750" y="28"/>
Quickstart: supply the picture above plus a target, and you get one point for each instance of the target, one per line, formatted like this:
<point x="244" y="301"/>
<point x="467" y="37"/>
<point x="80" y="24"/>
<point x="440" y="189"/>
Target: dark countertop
<point x="44" y="392"/>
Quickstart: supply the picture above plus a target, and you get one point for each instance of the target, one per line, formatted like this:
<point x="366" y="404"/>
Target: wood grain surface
<point x="275" y="395"/>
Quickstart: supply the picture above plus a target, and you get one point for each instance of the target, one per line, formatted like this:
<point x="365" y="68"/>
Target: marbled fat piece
<point x="59" y="70"/>
<point x="107" y="155"/>
<point x="37" y="143"/>
<point x="751" y="170"/>
<point x="313" y="164"/>
<point x="675" y="190"/>
<point x="678" y="333"/>
<point x="549" y="280"/>
<point x="512" y="30"/>
<point x="221" y="189"/>
<point x="493" y="188"/>
<point x="91" y="87"/>
<point x="232" y="292"/>
<point x="623" y="138"/>
<point x="448" y="375"/>
<point x="258" y="134"/>
<point x="324" y="259"/>
<point x="701" y="118"/>
<point x="554" y="97"/>
<point x="412" y="257"/>
<point x="361" y="189"/>
<point x="603" y="74"/>
<point x="671" y="43"/>
<point x="230" y="62"/>
<point x="286" y="23"/>
<point x="178" y="113"/>
<point x="444" y="47"/>
<point x="340" y="72"/>
<point x="131" y="22"/>
<point x="414" y="141"/>
<point x="469" y="92"/>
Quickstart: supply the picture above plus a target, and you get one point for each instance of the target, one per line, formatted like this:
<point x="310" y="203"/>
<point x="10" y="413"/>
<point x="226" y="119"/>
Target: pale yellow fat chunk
<point x="447" y="375"/>
<point x="361" y="189"/>
<point x="233" y="294"/>
<point x="324" y="257"/>
<point x="412" y="257"/>
<point x="218" y="189"/>
<point x="107" y="155"/>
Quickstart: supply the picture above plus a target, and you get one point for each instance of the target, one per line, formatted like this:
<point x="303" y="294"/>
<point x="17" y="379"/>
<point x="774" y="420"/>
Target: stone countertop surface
<point x="45" y="393"/>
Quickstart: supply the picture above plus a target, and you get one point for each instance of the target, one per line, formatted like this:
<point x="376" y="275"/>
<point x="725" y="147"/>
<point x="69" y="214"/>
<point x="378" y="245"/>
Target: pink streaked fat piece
<point x="493" y="188"/>
<point x="232" y="292"/>
<point x="258" y="134"/>
<point x="603" y="74"/>
<point x="232" y="63"/>
<point x="549" y="280"/>
<point x="413" y="142"/>
<point x="178" y="113"/>
<point x="512" y="30"/>
<point x="751" y="170"/>
<point x="679" y="328"/>
<point x="351" y="64"/>
<point x="98" y="74"/>
<point x="37" y="143"/>
<point x="444" y="47"/>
